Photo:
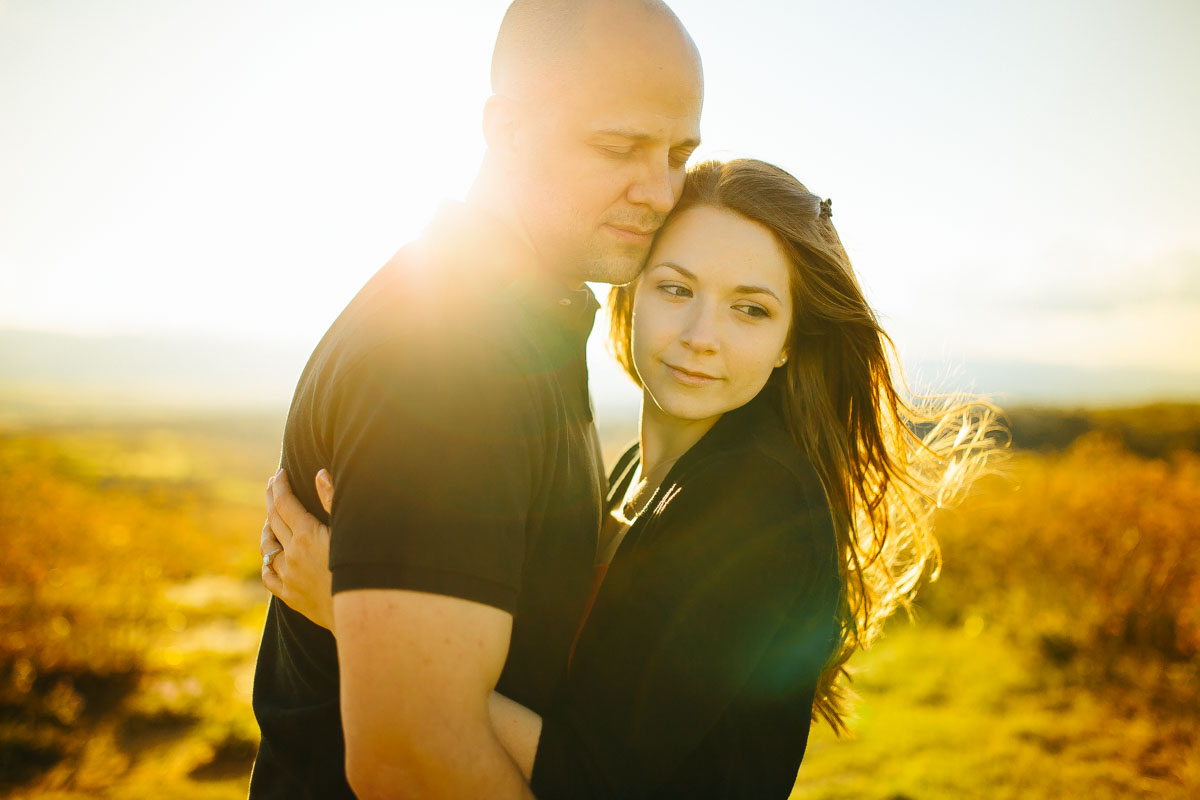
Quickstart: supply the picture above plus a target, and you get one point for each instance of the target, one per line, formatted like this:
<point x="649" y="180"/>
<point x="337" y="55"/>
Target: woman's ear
<point x="783" y="357"/>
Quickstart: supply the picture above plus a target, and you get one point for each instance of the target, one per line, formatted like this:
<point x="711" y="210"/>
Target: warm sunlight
<point x="234" y="169"/>
<point x="538" y="579"/>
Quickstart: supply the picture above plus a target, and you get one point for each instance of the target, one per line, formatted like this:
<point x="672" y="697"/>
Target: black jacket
<point x="695" y="673"/>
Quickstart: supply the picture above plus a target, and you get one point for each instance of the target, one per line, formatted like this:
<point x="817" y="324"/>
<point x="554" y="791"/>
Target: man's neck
<point x="492" y="195"/>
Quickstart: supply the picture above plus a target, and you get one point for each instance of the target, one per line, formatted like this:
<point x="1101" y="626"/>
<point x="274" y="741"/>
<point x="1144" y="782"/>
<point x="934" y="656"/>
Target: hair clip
<point x="827" y="208"/>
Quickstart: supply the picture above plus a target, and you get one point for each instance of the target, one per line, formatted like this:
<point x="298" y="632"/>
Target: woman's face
<point x="711" y="313"/>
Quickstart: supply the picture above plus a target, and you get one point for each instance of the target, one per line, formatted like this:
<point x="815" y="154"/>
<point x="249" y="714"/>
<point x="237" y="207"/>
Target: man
<point x="449" y="400"/>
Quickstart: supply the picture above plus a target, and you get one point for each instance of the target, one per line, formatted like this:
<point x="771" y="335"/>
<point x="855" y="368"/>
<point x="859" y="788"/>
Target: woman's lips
<point x="689" y="378"/>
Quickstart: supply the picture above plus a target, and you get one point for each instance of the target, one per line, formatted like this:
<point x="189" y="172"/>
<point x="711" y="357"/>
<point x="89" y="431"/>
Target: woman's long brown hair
<point x="887" y="459"/>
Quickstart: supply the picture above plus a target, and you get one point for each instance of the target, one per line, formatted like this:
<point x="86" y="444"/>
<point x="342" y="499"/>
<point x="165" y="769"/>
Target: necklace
<point x="643" y="489"/>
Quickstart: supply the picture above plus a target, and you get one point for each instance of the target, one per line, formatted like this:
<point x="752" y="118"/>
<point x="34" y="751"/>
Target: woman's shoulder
<point x="758" y="451"/>
<point x="751" y="496"/>
<point x="749" y="520"/>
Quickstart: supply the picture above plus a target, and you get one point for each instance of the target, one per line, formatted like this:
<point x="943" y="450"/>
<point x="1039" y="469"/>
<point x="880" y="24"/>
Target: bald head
<point x="594" y="113"/>
<point x="543" y="43"/>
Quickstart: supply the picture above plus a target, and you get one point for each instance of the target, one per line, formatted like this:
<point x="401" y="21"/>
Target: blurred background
<point x="191" y="192"/>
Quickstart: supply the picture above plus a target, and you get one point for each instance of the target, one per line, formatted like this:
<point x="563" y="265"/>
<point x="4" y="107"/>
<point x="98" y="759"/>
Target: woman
<point x="773" y="513"/>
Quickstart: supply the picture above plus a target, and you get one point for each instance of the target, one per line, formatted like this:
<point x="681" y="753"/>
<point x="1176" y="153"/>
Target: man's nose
<point x="655" y="188"/>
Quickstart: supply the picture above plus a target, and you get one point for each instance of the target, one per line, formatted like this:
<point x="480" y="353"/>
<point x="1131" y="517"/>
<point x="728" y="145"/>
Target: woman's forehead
<point x="718" y="243"/>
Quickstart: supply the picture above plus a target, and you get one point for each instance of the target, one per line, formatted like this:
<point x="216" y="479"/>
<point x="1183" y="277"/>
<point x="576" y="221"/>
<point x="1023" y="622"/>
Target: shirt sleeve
<point x="726" y="613"/>
<point x="434" y="454"/>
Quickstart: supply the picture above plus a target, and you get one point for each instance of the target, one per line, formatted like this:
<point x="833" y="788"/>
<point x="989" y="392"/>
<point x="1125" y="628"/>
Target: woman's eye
<point x="675" y="290"/>
<point x="615" y="152"/>
<point x="750" y="310"/>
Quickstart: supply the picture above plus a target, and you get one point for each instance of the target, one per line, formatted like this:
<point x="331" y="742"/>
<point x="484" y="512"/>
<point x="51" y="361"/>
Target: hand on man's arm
<point x="417" y="670"/>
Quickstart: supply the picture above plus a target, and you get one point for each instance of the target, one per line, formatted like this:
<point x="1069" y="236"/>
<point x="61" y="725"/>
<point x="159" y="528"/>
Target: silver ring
<point x="269" y="557"/>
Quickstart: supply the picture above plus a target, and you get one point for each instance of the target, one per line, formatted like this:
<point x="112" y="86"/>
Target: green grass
<point x="962" y="713"/>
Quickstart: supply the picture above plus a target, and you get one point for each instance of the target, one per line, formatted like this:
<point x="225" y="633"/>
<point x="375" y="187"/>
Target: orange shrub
<point x="1091" y="552"/>
<point x="93" y="528"/>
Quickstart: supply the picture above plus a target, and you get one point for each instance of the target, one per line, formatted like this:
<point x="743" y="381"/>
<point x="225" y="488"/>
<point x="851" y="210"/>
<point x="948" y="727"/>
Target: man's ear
<point x="502" y="125"/>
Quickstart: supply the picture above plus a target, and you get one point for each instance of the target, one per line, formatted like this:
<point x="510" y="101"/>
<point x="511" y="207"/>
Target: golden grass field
<point x="1056" y="657"/>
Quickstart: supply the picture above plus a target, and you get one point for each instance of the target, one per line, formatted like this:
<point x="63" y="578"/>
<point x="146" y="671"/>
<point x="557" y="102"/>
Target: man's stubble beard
<point x="595" y="256"/>
<point x="615" y="264"/>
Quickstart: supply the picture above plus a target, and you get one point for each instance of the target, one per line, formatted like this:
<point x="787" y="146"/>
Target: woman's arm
<point x="299" y="575"/>
<point x="517" y="728"/>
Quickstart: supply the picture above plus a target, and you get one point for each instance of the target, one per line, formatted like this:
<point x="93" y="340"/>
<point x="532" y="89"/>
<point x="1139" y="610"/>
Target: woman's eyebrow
<point x="672" y="265"/>
<point x="756" y="290"/>
<point x="743" y="289"/>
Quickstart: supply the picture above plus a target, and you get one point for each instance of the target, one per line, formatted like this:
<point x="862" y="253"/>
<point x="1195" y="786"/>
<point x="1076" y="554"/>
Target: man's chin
<point x="619" y="265"/>
<point x="618" y="273"/>
<point x="607" y="262"/>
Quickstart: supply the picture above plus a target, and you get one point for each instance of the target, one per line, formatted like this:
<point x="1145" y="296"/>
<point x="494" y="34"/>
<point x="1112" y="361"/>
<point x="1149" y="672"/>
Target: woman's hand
<point x="298" y="572"/>
<point x="299" y="576"/>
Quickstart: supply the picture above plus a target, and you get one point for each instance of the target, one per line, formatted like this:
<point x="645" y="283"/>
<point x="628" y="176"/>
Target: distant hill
<point x="56" y="373"/>
<point x="1154" y="431"/>
<point x="1024" y="383"/>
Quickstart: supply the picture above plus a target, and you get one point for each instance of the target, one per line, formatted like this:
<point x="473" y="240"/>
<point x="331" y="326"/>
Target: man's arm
<point x="417" y="670"/>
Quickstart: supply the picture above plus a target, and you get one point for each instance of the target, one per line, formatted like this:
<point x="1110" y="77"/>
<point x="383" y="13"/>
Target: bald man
<point x="449" y="401"/>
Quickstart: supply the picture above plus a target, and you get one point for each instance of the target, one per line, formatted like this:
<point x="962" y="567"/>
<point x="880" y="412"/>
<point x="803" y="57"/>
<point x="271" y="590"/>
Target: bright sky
<point x="1015" y="180"/>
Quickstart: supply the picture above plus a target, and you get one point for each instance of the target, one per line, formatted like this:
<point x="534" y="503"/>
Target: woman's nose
<point x="700" y="332"/>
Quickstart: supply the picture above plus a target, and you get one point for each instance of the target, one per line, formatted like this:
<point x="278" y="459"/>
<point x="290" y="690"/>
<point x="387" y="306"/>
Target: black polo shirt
<point x="695" y="673"/>
<point x="450" y="403"/>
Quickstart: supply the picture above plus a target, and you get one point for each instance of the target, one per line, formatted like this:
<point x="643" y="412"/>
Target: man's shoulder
<point x="416" y="313"/>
